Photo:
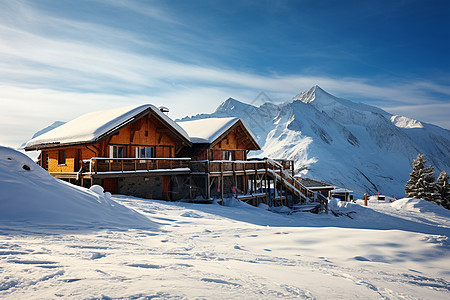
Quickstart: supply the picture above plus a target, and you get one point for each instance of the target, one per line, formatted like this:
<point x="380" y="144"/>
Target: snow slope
<point x="241" y="252"/>
<point x="349" y="144"/>
<point x="30" y="195"/>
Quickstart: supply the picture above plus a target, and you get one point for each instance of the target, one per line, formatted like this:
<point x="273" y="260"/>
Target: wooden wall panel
<point x="53" y="165"/>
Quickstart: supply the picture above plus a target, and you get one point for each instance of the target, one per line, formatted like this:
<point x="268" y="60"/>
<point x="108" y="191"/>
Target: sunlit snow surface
<point x="194" y="251"/>
<point x="30" y="195"/>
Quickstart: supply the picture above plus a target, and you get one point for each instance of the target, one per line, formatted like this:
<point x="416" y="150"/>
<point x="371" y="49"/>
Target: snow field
<point x="59" y="241"/>
<point x="216" y="252"/>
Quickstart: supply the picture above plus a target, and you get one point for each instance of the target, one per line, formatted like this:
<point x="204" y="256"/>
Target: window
<point x="61" y="157"/>
<point x="116" y="152"/>
<point x="146" y="133"/>
<point x="144" y="152"/>
<point x="45" y="161"/>
<point x="227" y="155"/>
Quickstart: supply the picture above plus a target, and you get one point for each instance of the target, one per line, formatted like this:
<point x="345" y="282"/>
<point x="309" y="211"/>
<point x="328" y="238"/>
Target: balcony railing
<point x="101" y="164"/>
<point x="225" y="166"/>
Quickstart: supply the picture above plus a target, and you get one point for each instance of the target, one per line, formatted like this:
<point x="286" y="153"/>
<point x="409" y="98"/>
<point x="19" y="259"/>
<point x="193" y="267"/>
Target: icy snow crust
<point x="208" y="130"/>
<point x="34" y="197"/>
<point x="89" y="127"/>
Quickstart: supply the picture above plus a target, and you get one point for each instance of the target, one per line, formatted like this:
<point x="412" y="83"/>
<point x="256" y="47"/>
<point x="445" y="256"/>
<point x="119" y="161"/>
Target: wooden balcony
<point x="101" y="165"/>
<point x="225" y="167"/>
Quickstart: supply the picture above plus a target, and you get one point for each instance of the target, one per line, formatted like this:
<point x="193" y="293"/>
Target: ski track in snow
<point x="198" y="255"/>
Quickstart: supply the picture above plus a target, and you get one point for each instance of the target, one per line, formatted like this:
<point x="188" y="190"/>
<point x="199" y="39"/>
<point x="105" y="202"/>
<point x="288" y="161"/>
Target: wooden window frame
<point x="62" y="157"/>
<point x="227" y="155"/>
<point x="114" y="151"/>
<point x="147" y="150"/>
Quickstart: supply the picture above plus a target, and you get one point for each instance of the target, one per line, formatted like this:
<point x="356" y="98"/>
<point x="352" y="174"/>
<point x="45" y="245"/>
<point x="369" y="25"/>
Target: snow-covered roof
<point x="95" y="125"/>
<point x="210" y="129"/>
<point x="341" y="191"/>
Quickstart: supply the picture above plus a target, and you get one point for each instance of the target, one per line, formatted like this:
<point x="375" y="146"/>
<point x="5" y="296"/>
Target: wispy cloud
<point x="70" y="67"/>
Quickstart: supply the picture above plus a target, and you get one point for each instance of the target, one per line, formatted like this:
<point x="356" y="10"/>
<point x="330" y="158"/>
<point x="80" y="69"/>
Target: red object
<point x="378" y="193"/>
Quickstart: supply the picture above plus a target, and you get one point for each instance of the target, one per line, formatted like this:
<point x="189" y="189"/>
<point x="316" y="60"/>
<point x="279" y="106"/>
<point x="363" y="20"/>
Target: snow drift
<point x="28" y="194"/>
<point x="421" y="206"/>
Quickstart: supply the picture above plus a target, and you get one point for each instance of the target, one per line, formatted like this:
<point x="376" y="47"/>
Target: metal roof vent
<point x="164" y="109"/>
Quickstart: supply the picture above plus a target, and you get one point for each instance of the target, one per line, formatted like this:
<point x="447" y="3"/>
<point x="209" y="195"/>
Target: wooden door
<point x="110" y="185"/>
<point x="166" y="187"/>
<point x="77" y="158"/>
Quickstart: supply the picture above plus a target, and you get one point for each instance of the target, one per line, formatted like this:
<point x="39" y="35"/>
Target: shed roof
<point x="94" y="126"/>
<point x="315" y="184"/>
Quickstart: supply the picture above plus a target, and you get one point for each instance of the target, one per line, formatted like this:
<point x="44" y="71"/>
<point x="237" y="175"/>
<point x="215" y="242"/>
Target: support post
<point x="190" y="187"/>
<point x="365" y="199"/>
<point x="208" y="192"/>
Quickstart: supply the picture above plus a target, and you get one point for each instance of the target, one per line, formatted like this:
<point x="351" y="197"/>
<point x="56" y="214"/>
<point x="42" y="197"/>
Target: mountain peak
<point x="317" y="95"/>
<point x="232" y="104"/>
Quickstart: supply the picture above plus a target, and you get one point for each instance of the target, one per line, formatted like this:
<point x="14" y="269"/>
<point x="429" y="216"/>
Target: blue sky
<point x="60" y="59"/>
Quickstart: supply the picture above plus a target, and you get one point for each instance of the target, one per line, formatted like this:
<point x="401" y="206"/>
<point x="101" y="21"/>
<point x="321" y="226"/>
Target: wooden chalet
<point x="140" y="151"/>
<point x="107" y="146"/>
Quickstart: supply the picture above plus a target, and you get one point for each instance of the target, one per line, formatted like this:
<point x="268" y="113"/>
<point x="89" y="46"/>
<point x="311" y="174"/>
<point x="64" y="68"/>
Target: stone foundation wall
<point x="143" y="187"/>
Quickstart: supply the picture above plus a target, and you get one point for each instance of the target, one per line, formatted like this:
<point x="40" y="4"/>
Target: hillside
<point x="349" y="144"/>
<point x="31" y="196"/>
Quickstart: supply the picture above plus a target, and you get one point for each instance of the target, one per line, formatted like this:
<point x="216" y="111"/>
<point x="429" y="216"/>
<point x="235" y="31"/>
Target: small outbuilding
<point x="343" y="194"/>
<point x="316" y="185"/>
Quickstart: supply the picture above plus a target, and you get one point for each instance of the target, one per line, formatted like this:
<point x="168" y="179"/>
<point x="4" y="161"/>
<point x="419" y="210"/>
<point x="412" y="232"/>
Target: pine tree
<point x="421" y="183"/>
<point x="443" y="190"/>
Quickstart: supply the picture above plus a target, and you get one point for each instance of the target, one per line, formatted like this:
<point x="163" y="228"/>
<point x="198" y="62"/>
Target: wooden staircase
<point x="286" y="179"/>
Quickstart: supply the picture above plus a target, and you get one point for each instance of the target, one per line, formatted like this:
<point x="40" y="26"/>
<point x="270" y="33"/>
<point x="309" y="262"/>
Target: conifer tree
<point x="421" y="183"/>
<point x="443" y="190"/>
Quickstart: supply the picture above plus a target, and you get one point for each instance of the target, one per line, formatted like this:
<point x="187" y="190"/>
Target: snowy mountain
<point x="350" y="144"/>
<point x="52" y="126"/>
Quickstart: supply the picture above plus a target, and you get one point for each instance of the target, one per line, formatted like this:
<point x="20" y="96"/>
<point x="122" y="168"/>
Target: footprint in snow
<point x="239" y="248"/>
<point x="97" y="255"/>
<point x="220" y="281"/>
<point x="69" y="280"/>
<point x="13" y="252"/>
<point x="146" y="266"/>
<point x="190" y="214"/>
<point x="361" y="258"/>
<point x="32" y="262"/>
